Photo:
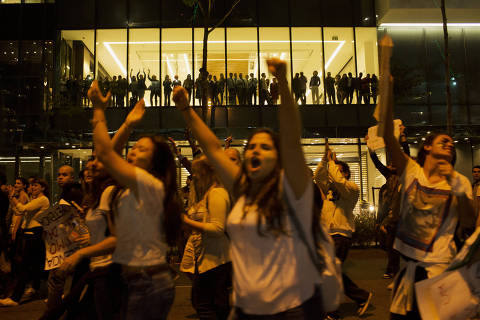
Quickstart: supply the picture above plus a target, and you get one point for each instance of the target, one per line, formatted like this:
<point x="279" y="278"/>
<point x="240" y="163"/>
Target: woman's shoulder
<point x="219" y="192"/>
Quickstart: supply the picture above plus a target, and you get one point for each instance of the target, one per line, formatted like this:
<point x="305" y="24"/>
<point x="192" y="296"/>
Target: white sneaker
<point x="7" y="302"/>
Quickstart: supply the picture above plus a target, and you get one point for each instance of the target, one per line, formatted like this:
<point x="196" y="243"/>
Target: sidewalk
<point x="364" y="266"/>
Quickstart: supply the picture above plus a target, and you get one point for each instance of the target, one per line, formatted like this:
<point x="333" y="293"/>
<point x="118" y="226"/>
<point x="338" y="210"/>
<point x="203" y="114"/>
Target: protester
<point x="30" y="240"/>
<point x="206" y="255"/>
<point x="148" y="176"/>
<point x="434" y="200"/>
<point x="273" y="274"/>
<point x="333" y="178"/>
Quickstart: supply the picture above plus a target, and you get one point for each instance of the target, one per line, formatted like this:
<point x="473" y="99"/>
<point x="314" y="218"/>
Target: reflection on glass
<point x="112" y="61"/>
<point x="76" y="66"/>
<point x="143" y="61"/>
<point x="242" y="59"/>
<point x="176" y="60"/>
<point x="340" y="81"/>
<point x="307" y="63"/>
<point x="215" y="64"/>
<point x="274" y="42"/>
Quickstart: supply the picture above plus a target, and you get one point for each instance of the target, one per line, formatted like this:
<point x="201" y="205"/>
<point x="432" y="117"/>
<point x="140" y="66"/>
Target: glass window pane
<point x="111" y="58"/>
<point x="215" y="61"/>
<point x="143" y="61"/>
<point x="367" y="57"/>
<point x="76" y="65"/>
<point x="409" y="74"/>
<point x="473" y="65"/>
<point x="274" y="42"/>
<point x="435" y="75"/>
<point x="307" y="60"/>
<point x="176" y="59"/>
<point x="340" y="62"/>
<point x="242" y="56"/>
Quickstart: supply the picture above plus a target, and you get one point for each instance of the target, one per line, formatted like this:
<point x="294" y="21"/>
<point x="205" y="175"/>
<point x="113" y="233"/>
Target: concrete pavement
<point x="364" y="266"/>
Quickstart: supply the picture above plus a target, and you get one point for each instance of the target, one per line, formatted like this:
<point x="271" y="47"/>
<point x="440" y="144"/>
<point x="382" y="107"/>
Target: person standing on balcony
<point x="330" y="88"/>
<point x="221" y="88"/>
<point x="358" y="87"/>
<point x="188" y="85"/>
<point x="240" y="88"/>
<point x="154" y="89"/>
<point x="303" y="88"/>
<point x="167" y="90"/>
<point x="252" y="90"/>
<point x="374" y="88"/>
<point x="263" y="89"/>
<point x="365" y="89"/>
<point x="314" y="84"/>
<point x="231" y="89"/>
<point x="350" y="88"/>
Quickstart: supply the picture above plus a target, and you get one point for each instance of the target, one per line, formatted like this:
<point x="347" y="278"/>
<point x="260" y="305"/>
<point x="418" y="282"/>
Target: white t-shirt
<point x="138" y="223"/>
<point x="96" y="221"/>
<point x="428" y="215"/>
<point x="271" y="274"/>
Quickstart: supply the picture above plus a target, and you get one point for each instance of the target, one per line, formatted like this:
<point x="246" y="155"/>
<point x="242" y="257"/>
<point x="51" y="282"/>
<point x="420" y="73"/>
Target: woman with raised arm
<point x="273" y="273"/>
<point x="435" y="199"/>
<point x="146" y="212"/>
<point x="206" y="255"/>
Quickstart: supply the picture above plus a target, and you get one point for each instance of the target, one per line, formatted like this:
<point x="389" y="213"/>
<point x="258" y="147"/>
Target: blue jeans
<point x="149" y="295"/>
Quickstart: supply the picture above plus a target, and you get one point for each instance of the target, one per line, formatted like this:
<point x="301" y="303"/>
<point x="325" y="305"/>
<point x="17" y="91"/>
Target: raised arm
<point x="134" y="117"/>
<point x="187" y="164"/>
<point x="212" y="148"/>
<point x="122" y="171"/>
<point x="399" y="159"/>
<point x="291" y="152"/>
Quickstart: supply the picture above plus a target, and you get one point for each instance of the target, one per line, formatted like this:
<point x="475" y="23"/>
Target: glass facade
<point x="171" y="54"/>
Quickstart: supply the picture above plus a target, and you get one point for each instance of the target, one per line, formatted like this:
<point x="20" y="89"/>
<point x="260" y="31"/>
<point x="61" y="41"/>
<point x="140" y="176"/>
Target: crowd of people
<point x="261" y="222"/>
<point x="232" y="90"/>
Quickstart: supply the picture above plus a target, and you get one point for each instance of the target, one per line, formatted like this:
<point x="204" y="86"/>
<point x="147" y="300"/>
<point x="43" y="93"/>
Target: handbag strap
<point x="319" y="265"/>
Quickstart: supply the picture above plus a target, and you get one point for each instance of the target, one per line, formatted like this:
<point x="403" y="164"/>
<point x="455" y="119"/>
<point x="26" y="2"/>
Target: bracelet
<point x="95" y="122"/>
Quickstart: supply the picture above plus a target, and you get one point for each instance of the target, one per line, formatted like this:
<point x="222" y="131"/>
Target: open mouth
<point x="255" y="162"/>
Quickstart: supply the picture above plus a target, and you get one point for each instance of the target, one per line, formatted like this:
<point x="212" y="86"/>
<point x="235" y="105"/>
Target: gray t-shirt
<point x="140" y="238"/>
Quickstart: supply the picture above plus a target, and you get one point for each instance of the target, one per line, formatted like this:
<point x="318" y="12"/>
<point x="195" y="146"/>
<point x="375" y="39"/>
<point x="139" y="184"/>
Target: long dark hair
<point x="422" y="153"/>
<point x="269" y="199"/>
<point x="165" y="169"/>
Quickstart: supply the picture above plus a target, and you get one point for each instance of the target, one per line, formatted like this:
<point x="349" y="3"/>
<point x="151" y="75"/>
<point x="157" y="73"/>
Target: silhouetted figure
<point x="188" y="85"/>
<point x="314" y="84"/>
<point x="221" y="87"/>
<point x="342" y="88"/>
<point x="296" y="87"/>
<point x="374" y="88"/>
<point x="303" y="88"/>
<point x="114" y="89"/>
<point x="133" y="88"/>
<point x="330" y="88"/>
<point x="241" y="88"/>
<point x="231" y="89"/>
<point x="350" y="87"/>
<point x="274" y="91"/>
<point x="167" y="90"/>
<point x="365" y="89"/>
<point x="141" y="84"/>
<point x="155" y="90"/>
<point x="122" y="91"/>
<point x="252" y="89"/>
<point x="262" y="89"/>
<point x="358" y="88"/>
<point x="176" y="82"/>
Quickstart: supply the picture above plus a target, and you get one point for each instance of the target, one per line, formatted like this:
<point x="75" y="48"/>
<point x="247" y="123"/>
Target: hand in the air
<point x="96" y="96"/>
<point x="277" y="67"/>
<point x="180" y="97"/>
<point x="135" y="116"/>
